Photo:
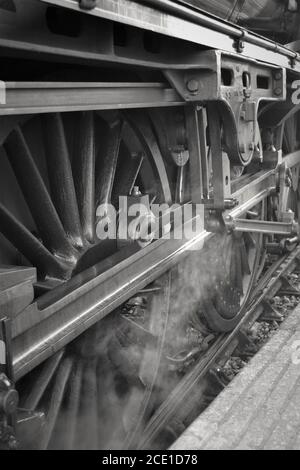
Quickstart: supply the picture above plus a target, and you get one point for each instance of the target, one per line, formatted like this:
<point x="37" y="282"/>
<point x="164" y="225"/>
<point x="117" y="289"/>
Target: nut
<point x="277" y="91"/>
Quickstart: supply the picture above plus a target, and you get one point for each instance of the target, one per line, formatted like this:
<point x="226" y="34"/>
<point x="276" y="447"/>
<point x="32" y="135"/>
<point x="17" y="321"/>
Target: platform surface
<point x="260" y="408"/>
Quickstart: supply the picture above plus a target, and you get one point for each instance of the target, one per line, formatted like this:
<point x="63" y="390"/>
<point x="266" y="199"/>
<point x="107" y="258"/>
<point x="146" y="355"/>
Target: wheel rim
<point x="234" y="262"/>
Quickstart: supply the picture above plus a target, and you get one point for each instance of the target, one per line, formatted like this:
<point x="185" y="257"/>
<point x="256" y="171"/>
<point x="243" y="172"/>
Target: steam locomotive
<point x="176" y="103"/>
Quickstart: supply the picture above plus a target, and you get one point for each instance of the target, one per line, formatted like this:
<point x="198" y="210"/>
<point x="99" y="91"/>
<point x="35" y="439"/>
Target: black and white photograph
<point x="149" y="228"/>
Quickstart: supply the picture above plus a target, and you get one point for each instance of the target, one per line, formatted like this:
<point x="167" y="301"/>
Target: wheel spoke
<point x="232" y="269"/>
<point x="89" y="409"/>
<point x="250" y="239"/>
<point x="142" y="128"/>
<point x="84" y="174"/>
<point x="239" y="268"/>
<point x="244" y="257"/>
<point x="72" y="412"/>
<point x="60" y="176"/>
<point x="210" y="312"/>
<point x="36" y="195"/>
<point x="227" y="253"/>
<point x="41" y="383"/>
<point x="108" y="165"/>
<point x="57" y="395"/>
<point x="29" y="245"/>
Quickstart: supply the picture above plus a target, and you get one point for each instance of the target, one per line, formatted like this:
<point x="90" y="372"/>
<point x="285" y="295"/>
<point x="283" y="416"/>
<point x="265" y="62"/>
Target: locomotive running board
<point x="45" y="97"/>
<point x="195" y="27"/>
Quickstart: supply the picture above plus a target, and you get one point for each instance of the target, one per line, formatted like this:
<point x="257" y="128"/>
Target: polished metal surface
<point x="39" y="333"/>
<point x="84" y="300"/>
<point x="181" y="22"/>
<point x="43" y="97"/>
<point x="258" y="226"/>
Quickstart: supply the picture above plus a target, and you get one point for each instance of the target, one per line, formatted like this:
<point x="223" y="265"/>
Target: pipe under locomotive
<point x="235" y="11"/>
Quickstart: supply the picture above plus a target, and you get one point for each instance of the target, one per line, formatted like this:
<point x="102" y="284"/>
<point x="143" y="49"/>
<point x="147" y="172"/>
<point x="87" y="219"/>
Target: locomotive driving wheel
<point x="95" y="393"/>
<point x="234" y="263"/>
<point x="56" y="170"/>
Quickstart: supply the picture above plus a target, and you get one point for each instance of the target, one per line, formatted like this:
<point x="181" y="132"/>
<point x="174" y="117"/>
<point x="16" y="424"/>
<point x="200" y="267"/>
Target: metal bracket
<point x="284" y="185"/>
<point x="8" y="395"/>
<point x="286" y="229"/>
<point x="239" y="45"/>
<point x="285" y="225"/>
<point x="236" y="86"/>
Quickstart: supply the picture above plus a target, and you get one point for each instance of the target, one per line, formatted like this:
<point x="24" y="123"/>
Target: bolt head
<point x="278" y="75"/>
<point x="288" y="182"/>
<point x="136" y="191"/>
<point x="192" y="86"/>
<point x="9" y="401"/>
